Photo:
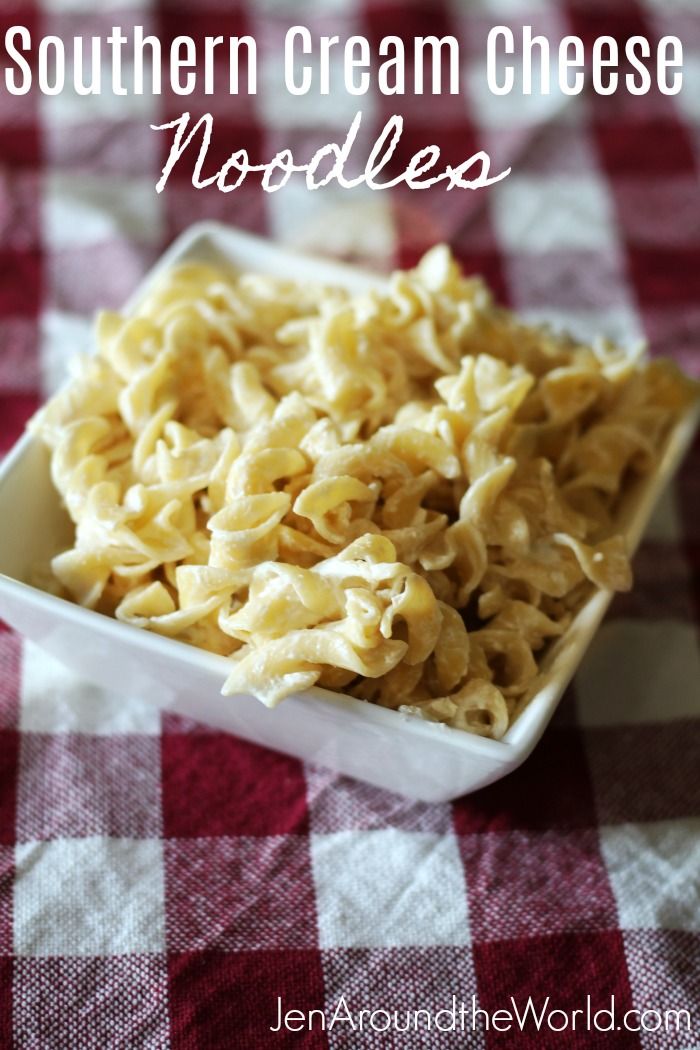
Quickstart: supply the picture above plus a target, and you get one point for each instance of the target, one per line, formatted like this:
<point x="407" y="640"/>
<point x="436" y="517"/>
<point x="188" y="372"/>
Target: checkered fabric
<point x="162" y="884"/>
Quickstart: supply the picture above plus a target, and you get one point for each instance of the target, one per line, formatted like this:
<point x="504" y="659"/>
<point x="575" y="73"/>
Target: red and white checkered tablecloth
<point x="163" y="884"/>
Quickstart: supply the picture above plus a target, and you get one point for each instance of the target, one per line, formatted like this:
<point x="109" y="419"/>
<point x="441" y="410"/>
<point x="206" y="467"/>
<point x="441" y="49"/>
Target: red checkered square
<point x="565" y="715"/>
<point x="73" y="786"/>
<point x="20" y="208"/>
<point x="401" y="980"/>
<point x="9" y="761"/>
<point x="660" y="582"/>
<point x="236" y="125"/>
<point x="529" y="884"/>
<point x="228" y="21"/>
<point x="224" y="999"/>
<point x="15" y="410"/>
<point x="552" y="789"/>
<point x="215" y="784"/>
<point x="688" y="488"/>
<point x="20" y="146"/>
<point x="472" y="22"/>
<point x="564" y="967"/>
<point x="464" y="222"/>
<point x="20" y="282"/>
<point x="626" y="759"/>
<point x="661" y="213"/>
<point x="7" y="875"/>
<point x="178" y="724"/>
<point x="245" y="208"/>
<point x="675" y="333"/>
<point x="664" y="972"/>
<point x="561" y="147"/>
<point x="659" y="147"/>
<point x="19" y="114"/>
<point x="340" y="804"/>
<point x="6" y="1030"/>
<point x="417" y="19"/>
<point x="693" y="554"/>
<point x="664" y="278"/>
<point x="91" y="1003"/>
<point x="488" y="264"/>
<point x="239" y="893"/>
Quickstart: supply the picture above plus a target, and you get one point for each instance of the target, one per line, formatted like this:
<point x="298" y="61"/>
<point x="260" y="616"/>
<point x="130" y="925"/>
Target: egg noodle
<point x="403" y="494"/>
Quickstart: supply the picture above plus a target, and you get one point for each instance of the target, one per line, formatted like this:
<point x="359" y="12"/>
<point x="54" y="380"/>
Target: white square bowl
<point x="400" y="752"/>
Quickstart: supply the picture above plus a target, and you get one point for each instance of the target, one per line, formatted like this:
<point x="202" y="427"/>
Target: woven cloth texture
<point x="161" y="883"/>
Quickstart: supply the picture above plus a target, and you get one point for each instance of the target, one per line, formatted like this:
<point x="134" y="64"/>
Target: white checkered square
<point x="664" y="6"/>
<point x="92" y="896"/>
<point x="82" y="209"/>
<point x="688" y="98"/>
<point x="621" y="324"/>
<point x="91" y="1004"/>
<point x="69" y="108"/>
<point x="55" y="700"/>
<point x="640" y="671"/>
<point x="664" y="525"/>
<point x="388" y="888"/>
<point x="18" y="363"/>
<point x="653" y="872"/>
<point x="348" y="224"/>
<point x="62" y="336"/>
<point x="517" y="110"/>
<point x="130" y="149"/>
<point x="575" y="285"/>
<point x="100" y="276"/>
<point x="279" y="108"/>
<point x="553" y="213"/>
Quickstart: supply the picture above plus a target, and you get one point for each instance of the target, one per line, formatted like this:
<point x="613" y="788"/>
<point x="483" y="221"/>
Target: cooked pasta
<point x="404" y="494"/>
